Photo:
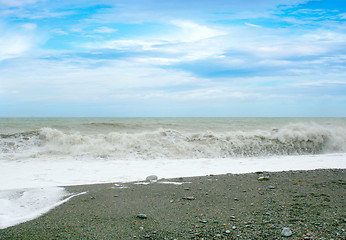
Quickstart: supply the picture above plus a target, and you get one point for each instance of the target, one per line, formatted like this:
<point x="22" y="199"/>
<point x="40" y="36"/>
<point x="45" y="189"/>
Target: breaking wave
<point x="292" y="139"/>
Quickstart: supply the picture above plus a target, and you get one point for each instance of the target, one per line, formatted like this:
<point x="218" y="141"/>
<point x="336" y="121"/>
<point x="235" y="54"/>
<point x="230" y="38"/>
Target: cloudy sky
<point x="225" y="58"/>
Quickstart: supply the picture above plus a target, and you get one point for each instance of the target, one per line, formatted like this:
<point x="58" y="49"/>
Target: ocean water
<point x="168" y="138"/>
<point x="40" y="154"/>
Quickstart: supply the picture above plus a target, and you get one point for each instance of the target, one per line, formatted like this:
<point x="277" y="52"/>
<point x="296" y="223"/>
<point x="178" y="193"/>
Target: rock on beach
<point x="151" y="178"/>
<point x="286" y="232"/>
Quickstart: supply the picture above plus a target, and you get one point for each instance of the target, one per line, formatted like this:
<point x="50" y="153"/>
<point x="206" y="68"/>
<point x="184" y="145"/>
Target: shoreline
<point x="230" y="206"/>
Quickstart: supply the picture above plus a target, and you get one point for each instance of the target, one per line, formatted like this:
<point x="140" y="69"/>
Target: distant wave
<point x="115" y="125"/>
<point x="292" y="139"/>
<point x="127" y="126"/>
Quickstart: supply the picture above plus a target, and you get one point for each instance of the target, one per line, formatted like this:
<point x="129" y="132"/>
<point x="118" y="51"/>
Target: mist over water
<point x="170" y="138"/>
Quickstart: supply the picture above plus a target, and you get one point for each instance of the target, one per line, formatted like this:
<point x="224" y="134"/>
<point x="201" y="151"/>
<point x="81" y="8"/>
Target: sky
<point x="181" y="58"/>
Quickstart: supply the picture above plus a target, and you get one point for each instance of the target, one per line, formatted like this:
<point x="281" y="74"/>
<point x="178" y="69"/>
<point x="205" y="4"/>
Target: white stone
<point x="286" y="232"/>
<point x="151" y="178"/>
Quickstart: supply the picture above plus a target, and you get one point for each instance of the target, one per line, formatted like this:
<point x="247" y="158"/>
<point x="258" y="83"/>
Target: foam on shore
<point x="33" y="190"/>
<point x="23" y="205"/>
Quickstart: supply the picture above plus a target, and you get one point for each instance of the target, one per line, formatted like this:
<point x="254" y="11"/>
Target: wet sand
<point x="231" y="206"/>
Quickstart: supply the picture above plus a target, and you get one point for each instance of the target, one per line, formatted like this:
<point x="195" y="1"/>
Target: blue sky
<point x="222" y="58"/>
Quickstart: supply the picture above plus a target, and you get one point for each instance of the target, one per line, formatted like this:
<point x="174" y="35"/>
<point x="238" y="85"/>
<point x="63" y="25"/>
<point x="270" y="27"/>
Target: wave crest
<point x="292" y="139"/>
<point x="169" y="143"/>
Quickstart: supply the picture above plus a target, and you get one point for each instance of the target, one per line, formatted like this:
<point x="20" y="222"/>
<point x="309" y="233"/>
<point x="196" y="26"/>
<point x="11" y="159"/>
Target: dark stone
<point x="142" y="216"/>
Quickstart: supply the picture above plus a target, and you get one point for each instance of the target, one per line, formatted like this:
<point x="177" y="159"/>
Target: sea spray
<point x="290" y="139"/>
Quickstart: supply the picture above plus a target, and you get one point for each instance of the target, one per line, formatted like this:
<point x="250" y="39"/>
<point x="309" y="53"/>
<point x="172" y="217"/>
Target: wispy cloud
<point x="17" y="3"/>
<point x="105" y="30"/>
<point x="17" y="41"/>
<point x="174" y="52"/>
<point x="252" y="25"/>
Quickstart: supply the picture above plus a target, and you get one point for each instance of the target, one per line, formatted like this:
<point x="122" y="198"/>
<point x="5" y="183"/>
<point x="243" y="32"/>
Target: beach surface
<point x="311" y="204"/>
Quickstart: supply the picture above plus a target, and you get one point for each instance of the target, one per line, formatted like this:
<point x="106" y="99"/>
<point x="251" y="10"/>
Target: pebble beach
<point x="261" y="205"/>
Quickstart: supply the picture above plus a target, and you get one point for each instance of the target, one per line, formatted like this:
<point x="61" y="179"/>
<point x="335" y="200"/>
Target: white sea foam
<point x="291" y="139"/>
<point x="71" y="171"/>
<point x="18" y="205"/>
<point x="21" y="205"/>
<point x="174" y="183"/>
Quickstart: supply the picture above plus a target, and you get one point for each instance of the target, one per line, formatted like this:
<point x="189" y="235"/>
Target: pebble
<point x="189" y="198"/>
<point x="142" y="216"/>
<point x="228" y="231"/>
<point x="232" y="218"/>
<point x="286" y="232"/>
<point x="263" y="178"/>
<point x="151" y="178"/>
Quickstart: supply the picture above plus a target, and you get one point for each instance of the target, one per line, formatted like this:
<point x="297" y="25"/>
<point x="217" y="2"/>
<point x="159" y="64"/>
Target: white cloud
<point x="129" y="81"/>
<point x="13" y="45"/>
<point x="29" y="26"/>
<point x="60" y="32"/>
<point x="192" y="32"/>
<point x="16" y="3"/>
<point x="156" y="60"/>
<point x="65" y="80"/>
<point x="141" y="11"/>
<point x="210" y="93"/>
<point x="131" y="44"/>
<point x="325" y="36"/>
<point x="252" y="25"/>
<point x="274" y="44"/>
<point x="285" y="50"/>
<point x="321" y="83"/>
<point x="16" y="40"/>
<point x="185" y="41"/>
<point x="187" y="32"/>
<point x="105" y="30"/>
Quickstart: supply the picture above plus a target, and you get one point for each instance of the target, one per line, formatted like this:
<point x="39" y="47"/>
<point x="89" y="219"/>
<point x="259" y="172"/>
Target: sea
<point x="39" y="155"/>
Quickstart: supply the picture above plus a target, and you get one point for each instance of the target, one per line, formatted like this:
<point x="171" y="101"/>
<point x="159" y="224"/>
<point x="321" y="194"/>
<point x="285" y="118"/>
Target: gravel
<point x="311" y="204"/>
